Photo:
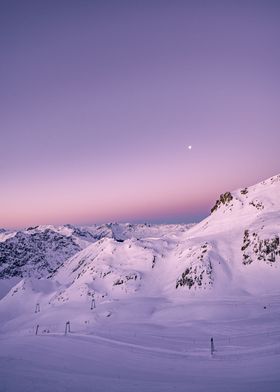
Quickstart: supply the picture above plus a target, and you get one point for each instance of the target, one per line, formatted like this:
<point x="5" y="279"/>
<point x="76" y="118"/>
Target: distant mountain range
<point x="236" y="250"/>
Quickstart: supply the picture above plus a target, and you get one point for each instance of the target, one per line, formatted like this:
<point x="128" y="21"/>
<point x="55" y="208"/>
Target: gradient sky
<point x="100" y="99"/>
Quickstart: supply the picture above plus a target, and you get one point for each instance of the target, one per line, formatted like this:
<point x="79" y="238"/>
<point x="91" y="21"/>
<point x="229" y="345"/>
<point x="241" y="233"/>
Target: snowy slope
<point x="244" y="229"/>
<point x="143" y="301"/>
<point x="233" y="252"/>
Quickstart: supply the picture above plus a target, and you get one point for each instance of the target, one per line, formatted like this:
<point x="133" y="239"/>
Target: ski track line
<point x="200" y="352"/>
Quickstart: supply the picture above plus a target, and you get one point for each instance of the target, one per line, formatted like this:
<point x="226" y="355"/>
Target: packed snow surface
<point x="146" y="344"/>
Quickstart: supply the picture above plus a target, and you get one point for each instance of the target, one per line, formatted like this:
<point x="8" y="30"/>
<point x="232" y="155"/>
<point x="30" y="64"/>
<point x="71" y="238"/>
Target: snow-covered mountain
<point x="41" y="250"/>
<point x="234" y="251"/>
<point x="35" y="253"/>
<point x="243" y="230"/>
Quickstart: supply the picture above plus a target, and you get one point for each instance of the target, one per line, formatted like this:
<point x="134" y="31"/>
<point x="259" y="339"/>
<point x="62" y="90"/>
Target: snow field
<point x="158" y="354"/>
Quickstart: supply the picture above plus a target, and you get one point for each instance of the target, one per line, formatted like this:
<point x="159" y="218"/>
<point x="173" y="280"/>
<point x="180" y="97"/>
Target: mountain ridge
<point x="235" y="251"/>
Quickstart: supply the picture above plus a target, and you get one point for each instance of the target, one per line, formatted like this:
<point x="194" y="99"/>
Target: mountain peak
<point x="264" y="196"/>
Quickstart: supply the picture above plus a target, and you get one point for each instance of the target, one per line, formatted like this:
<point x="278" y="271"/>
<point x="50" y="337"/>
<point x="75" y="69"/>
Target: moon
<point x="189" y="147"/>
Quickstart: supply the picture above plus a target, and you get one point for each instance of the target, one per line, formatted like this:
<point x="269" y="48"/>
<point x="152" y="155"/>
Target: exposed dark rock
<point x="194" y="275"/>
<point x="257" y="204"/>
<point x="118" y="282"/>
<point x="224" y="199"/>
<point x="254" y="248"/>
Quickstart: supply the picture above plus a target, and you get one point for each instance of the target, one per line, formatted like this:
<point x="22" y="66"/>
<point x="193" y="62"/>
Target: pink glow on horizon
<point x="85" y="199"/>
<point x="99" y="204"/>
<point x="99" y="103"/>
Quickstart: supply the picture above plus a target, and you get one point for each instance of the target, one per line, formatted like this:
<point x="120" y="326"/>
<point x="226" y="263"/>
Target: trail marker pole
<point x="37" y="329"/>
<point x="67" y="327"/>
<point x="212" y="346"/>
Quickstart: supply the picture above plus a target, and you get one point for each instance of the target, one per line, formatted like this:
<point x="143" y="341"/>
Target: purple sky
<point x="100" y="99"/>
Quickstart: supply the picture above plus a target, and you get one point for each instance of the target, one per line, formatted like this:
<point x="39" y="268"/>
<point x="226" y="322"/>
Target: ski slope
<point x="157" y="351"/>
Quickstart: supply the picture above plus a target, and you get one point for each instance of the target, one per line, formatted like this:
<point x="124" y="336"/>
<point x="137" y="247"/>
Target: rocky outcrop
<point x="224" y="199"/>
<point x="198" y="273"/>
<point x="255" y="248"/>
